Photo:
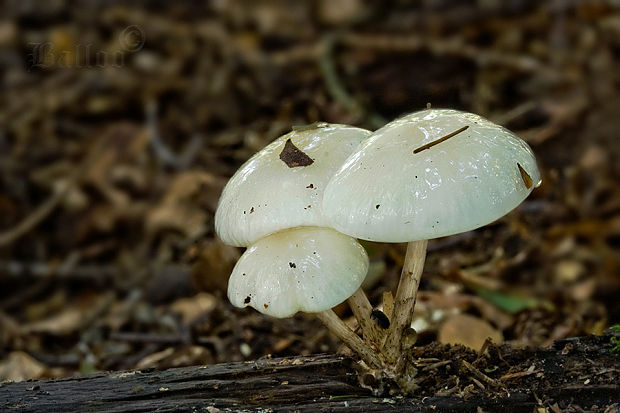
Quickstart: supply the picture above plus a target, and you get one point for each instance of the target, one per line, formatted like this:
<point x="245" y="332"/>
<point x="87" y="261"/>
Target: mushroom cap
<point x="405" y="183"/>
<point x="307" y="269"/>
<point x="282" y="185"/>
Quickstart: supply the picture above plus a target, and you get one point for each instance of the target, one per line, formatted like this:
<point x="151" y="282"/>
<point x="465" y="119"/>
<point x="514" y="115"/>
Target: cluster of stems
<point x="383" y="348"/>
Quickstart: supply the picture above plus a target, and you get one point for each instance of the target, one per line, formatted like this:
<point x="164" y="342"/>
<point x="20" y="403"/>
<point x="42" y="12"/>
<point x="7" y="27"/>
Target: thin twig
<point x="150" y="338"/>
<point x="436" y="365"/>
<point x="45" y="270"/>
<point x="38" y="215"/>
<point x="447" y="46"/>
<point x="49" y="205"/>
<point x="480" y="375"/>
<point x="518" y="374"/>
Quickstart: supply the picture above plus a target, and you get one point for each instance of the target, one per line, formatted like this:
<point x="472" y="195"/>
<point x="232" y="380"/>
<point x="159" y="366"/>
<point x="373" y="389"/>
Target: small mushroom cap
<point x="307" y="269"/>
<point x="282" y="185"/>
<point x="430" y="174"/>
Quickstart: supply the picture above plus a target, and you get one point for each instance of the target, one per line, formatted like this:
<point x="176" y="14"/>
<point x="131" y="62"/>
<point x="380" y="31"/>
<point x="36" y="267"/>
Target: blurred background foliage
<point x="120" y="122"/>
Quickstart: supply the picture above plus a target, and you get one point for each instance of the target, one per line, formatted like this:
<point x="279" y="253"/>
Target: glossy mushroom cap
<point x="430" y="174"/>
<point x="307" y="269"/>
<point x="282" y="185"/>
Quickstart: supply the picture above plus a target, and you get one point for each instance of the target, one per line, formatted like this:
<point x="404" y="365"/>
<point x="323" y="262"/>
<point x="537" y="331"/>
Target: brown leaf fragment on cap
<point x="293" y="157"/>
<point x="527" y="179"/>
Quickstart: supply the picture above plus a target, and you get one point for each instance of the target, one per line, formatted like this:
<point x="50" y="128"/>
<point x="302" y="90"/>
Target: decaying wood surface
<point x="578" y="373"/>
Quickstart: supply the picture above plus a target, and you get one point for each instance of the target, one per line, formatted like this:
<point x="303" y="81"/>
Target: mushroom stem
<point x="405" y="298"/>
<point x="362" y="309"/>
<point x="348" y="337"/>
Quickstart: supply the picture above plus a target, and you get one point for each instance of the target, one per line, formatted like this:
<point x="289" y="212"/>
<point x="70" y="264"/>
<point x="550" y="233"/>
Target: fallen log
<point x="581" y="373"/>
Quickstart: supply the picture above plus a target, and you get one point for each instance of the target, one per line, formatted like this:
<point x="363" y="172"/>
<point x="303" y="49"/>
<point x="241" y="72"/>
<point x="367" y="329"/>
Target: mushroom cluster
<point x="294" y="260"/>
<point x="299" y="204"/>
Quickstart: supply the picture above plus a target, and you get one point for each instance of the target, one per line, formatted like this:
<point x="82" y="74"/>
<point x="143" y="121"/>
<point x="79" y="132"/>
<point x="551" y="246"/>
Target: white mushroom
<point x="429" y="174"/>
<point x="308" y="269"/>
<point x="282" y="185"/>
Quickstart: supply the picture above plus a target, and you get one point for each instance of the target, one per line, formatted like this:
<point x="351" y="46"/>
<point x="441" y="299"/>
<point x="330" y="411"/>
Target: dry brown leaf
<point x="213" y="262"/>
<point x="59" y="324"/>
<point x="194" y="307"/>
<point x="189" y="356"/>
<point x="9" y="330"/>
<point x="184" y="208"/>
<point x="282" y="344"/>
<point x="583" y="290"/>
<point x="339" y="11"/>
<point x="19" y="366"/>
<point x="473" y="278"/>
<point x="104" y="217"/>
<point x="153" y="359"/>
<point x="187" y="219"/>
<point x="568" y="270"/>
<point x="117" y="315"/>
<point x="176" y="358"/>
<point x="468" y="331"/>
<point x="122" y="143"/>
<point x="69" y="318"/>
<point x="50" y="304"/>
<point x="430" y="300"/>
<point x="593" y="157"/>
